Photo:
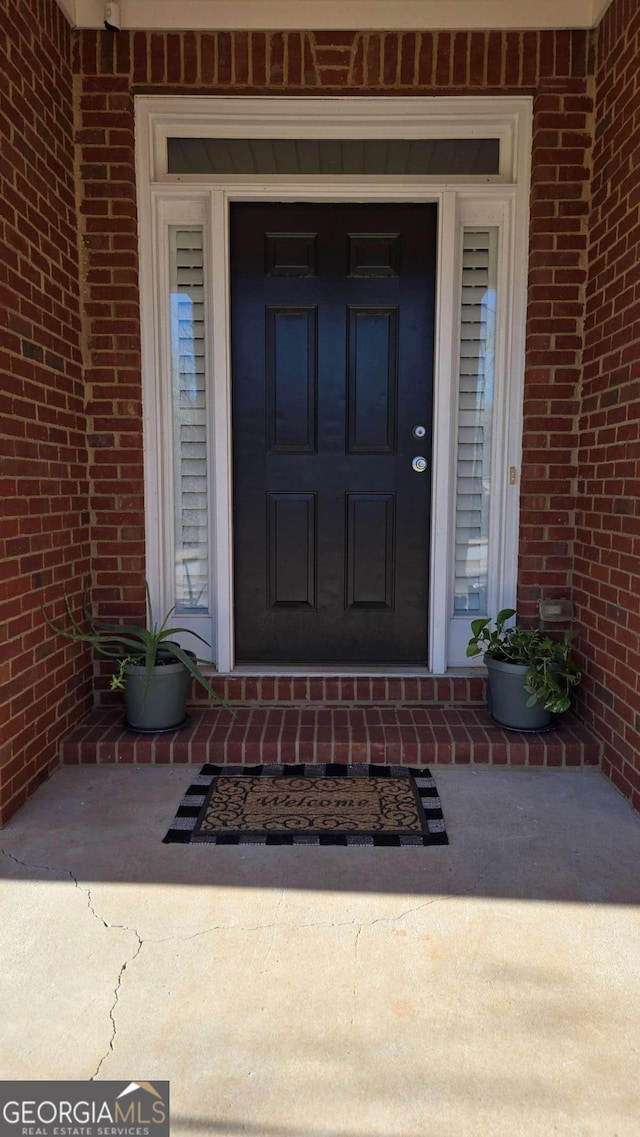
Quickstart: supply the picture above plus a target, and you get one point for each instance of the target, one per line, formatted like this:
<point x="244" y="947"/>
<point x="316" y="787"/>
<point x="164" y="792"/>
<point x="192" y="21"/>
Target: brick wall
<point x="557" y="275"/>
<point x="552" y="67"/>
<point x="44" y="535"/>
<point x="307" y="62"/>
<point x="44" y="530"/>
<point x="607" y="561"/>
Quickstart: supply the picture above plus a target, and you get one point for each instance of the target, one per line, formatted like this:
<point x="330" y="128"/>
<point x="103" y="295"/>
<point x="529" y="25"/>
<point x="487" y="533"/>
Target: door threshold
<point x="364" y="671"/>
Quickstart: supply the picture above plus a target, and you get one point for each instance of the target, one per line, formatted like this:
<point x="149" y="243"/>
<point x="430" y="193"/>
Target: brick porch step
<point x="242" y="690"/>
<point x="425" y="735"/>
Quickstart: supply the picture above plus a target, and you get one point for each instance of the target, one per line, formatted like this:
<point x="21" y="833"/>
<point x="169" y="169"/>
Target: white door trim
<point x="505" y="196"/>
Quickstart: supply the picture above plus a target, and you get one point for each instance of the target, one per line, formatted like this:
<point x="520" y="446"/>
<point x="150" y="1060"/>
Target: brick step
<point x="241" y="690"/>
<point x="413" y="735"/>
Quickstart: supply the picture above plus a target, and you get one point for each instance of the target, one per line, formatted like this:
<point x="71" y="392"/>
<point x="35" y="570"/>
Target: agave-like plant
<point x="136" y="644"/>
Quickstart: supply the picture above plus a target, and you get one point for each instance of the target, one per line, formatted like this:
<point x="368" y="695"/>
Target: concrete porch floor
<point x="490" y="988"/>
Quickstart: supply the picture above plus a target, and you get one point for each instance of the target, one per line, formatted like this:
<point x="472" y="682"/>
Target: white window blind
<point x="186" y="267"/>
<point x="475" y="412"/>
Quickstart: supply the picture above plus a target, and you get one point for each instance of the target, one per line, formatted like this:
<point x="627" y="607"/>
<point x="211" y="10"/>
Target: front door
<point x="332" y="356"/>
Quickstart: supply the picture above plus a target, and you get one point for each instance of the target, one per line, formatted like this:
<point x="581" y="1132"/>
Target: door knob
<point x="419" y="464"/>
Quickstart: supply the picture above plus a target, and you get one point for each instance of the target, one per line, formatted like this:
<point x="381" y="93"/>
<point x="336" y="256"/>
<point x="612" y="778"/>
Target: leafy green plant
<point x="143" y="645"/>
<point x="553" y="671"/>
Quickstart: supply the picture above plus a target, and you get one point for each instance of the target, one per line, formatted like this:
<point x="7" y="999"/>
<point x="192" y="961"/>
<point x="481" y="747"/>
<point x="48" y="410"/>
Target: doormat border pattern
<point x="184" y="825"/>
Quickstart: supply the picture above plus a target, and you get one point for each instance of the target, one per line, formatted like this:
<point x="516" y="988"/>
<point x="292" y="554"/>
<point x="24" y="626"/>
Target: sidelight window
<point x="475" y="419"/>
<point x="188" y="396"/>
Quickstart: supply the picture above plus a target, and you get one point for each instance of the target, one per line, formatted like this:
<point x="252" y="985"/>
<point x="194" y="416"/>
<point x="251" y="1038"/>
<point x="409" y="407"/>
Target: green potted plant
<point x="530" y="674"/>
<point x="151" y="669"/>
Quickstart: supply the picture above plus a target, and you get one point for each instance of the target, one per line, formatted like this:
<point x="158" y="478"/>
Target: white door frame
<point x="500" y="200"/>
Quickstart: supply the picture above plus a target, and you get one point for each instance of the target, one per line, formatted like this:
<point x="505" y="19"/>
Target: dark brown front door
<point x="332" y="355"/>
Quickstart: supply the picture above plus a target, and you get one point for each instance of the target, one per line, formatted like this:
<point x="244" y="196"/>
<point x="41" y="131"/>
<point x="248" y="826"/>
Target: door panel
<point x="292" y="550"/>
<point x="372" y="380"/>
<point x="370" y="550"/>
<point x="332" y="349"/>
<point x="292" y="352"/>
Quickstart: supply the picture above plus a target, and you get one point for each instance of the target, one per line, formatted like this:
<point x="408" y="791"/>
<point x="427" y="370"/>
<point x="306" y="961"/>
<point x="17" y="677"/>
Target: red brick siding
<point x="607" y="554"/>
<point x="557" y="274"/>
<point x="44" y="532"/>
<point x="551" y="66"/>
<point x="268" y="62"/>
<point x="44" y="537"/>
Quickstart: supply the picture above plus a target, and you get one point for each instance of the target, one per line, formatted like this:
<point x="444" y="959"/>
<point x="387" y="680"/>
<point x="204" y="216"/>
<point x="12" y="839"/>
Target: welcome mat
<point x="310" y="805"/>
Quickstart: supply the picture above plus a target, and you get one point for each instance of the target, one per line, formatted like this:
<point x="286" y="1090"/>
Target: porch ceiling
<point x="340" y="14"/>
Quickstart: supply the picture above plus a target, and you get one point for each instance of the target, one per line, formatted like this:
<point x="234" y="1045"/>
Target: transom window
<point x="366" y="156"/>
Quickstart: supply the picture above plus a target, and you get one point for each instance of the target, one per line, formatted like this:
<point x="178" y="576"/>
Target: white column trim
<point x="222" y="500"/>
<point x="442" y="476"/>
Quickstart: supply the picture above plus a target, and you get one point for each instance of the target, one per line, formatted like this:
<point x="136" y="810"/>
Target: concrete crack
<point x="408" y="911"/>
<point x="195" y="935"/>
<point x="105" y="924"/>
<point x="255" y="927"/>
<point x="354" y="990"/>
<point x="356" y="946"/>
<point x="361" y="925"/>
<point x="116" y="1000"/>
<point x="118" y="987"/>
<point x="38" y="868"/>
<point x="483" y="872"/>
<point x="274" y="926"/>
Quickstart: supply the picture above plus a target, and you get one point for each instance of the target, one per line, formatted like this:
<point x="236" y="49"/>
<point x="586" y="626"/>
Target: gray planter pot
<point x="158" y="702"/>
<point x="508" y="698"/>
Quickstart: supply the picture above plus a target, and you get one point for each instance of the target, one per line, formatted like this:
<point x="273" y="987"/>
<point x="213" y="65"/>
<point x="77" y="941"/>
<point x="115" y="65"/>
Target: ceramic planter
<point x="508" y="697"/>
<point x="156" y="702"/>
